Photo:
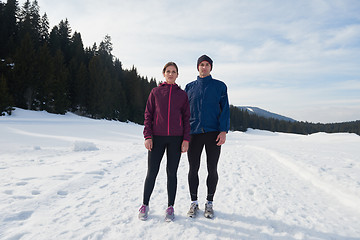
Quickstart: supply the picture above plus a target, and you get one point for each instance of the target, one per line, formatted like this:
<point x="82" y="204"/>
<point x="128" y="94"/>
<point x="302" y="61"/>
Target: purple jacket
<point x="167" y="112"/>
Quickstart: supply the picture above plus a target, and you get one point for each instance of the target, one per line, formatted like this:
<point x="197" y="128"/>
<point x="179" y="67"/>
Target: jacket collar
<point x="165" y="83"/>
<point x="205" y="79"/>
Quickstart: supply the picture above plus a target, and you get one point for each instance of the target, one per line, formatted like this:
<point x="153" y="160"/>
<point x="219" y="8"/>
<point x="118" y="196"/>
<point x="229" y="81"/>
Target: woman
<point x="167" y="127"/>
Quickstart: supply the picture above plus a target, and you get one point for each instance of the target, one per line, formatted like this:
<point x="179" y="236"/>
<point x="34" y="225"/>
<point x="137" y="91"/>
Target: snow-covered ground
<point x="69" y="177"/>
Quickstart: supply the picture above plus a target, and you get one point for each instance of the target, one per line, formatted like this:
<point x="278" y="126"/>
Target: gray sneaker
<point x="143" y="212"/>
<point x="170" y="216"/>
<point x="209" y="212"/>
<point x="194" y="208"/>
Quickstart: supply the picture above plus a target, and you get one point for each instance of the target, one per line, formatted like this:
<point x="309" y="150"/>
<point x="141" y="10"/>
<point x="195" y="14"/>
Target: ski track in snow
<point x="330" y="188"/>
<point x="66" y="177"/>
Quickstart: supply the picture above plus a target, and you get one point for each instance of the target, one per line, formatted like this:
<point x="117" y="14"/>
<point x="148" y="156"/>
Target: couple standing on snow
<point x="181" y="121"/>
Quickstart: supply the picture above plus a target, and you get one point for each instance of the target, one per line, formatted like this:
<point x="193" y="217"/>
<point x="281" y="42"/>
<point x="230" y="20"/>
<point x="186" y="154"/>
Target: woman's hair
<point x="170" y="64"/>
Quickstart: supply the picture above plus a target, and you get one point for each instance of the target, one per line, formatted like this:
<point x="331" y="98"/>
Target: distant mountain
<point x="263" y="113"/>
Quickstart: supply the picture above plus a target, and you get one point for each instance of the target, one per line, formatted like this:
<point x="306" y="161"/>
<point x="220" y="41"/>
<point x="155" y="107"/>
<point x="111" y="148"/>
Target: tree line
<point x="43" y="69"/>
<point x="50" y="69"/>
<point x="241" y="120"/>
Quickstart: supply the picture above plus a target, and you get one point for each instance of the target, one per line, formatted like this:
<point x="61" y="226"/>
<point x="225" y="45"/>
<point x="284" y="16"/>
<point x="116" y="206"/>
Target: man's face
<point x="204" y="69"/>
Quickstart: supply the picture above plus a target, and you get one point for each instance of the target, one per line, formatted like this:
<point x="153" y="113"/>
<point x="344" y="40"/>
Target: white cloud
<point x="343" y="37"/>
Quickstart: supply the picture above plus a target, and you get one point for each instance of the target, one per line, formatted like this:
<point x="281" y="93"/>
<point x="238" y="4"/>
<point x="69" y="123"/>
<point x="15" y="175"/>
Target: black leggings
<point x="197" y="143"/>
<point x="172" y="144"/>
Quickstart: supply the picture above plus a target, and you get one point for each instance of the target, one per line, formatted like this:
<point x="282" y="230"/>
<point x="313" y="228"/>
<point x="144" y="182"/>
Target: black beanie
<point x="204" y="58"/>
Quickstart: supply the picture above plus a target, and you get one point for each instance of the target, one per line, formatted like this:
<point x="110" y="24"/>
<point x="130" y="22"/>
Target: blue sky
<point x="298" y="58"/>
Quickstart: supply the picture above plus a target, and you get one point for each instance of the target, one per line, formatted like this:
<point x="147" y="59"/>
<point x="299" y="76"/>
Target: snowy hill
<point x="69" y="177"/>
<point x="263" y="113"/>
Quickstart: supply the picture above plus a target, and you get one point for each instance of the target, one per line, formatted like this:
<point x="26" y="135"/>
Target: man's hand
<point x="221" y="138"/>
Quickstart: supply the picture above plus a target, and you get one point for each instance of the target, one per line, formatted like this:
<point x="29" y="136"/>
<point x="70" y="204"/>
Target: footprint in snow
<point x="251" y="192"/>
<point x="35" y="192"/>
<point x="9" y="192"/>
<point x="21" y="183"/>
<point x="21" y="216"/>
<point x="97" y="174"/>
<point x="62" y="193"/>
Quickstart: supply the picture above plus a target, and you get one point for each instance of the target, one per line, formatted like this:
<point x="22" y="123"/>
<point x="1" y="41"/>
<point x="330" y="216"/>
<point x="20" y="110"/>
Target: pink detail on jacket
<point x="167" y="112"/>
<point x="169" y="104"/>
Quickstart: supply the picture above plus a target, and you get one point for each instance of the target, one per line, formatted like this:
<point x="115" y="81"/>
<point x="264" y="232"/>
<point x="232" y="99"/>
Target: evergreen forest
<point x="50" y="69"/>
<point x="43" y="68"/>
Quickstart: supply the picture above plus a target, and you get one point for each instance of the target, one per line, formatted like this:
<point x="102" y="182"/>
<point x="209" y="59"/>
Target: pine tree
<point x="96" y="87"/>
<point x="8" y="27"/>
<point x="64" y="34"/>
<point x="135" y="101"/>
<point x="35" y="21"/>
<point x="23" y="88"/>
<point x="77" y="58"/>
<point x="105" y="47"/>
<point x="121" y="108"/>
<point x="45" y="75"/>
<point x="3" y="36"/>
<point x="30" y="22"/>
<point x="6" y="101"/>
<point x="60" y="99"/>
<point x="80" y="89"/>
<point x="54" y="40"/>
<point x="44" y="29"/>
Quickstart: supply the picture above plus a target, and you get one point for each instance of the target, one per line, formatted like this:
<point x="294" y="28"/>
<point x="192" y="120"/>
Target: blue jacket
<point x="209" y="105"/>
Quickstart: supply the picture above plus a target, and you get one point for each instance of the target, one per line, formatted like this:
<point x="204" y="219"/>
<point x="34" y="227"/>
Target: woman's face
<point x="170" y="74"/>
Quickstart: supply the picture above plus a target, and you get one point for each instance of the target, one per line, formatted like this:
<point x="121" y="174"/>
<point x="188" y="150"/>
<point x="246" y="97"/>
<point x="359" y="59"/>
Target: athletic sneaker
<point x="143" y="212"/>
<point x="194" y="208"/>
<point x="209" y="212"/>
<point x="170" y="216"/>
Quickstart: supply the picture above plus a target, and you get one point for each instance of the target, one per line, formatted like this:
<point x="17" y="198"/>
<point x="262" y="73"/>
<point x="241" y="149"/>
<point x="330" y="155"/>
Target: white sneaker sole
<point x="169" y="219"/>
<point x="191" y="216"/>
<point x="143" y="218"/>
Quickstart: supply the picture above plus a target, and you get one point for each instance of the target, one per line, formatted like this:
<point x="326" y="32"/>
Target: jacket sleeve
<point x="186" y="118"/>
<point x="149" y="116"/>
<point x="225" y="111"/>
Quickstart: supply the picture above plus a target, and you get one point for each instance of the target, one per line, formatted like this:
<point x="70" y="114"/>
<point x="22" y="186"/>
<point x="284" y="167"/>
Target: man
<point x="209" y="121"/>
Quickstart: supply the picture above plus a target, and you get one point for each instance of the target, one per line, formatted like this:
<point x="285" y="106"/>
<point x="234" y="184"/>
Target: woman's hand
<point x="184" y="146"/>
<point x="148" y="144"/>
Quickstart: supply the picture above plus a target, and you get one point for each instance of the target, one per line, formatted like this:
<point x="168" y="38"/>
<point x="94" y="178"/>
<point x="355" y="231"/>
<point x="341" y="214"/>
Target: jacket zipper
<point x="169" y="110"/>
